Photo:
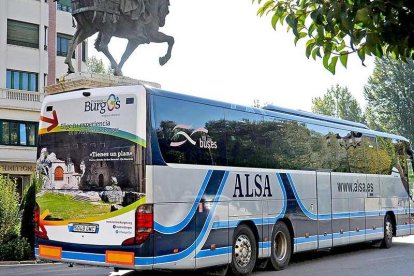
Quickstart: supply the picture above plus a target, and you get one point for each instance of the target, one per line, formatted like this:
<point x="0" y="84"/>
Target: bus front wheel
<point x="244" y="251"/>
<point x="281" y="246"/>
<point x="388" y="232"/>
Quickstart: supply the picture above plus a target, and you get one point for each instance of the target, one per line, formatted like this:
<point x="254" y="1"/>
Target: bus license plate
<point x="85" y="228"/>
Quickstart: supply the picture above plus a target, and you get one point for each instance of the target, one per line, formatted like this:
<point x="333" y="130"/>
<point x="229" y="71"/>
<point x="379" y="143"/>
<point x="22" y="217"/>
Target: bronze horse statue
<point x="138" y="21"/>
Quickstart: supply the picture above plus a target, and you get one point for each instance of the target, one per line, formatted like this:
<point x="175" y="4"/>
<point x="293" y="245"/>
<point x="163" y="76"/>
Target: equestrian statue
<point x="138" y="21"/>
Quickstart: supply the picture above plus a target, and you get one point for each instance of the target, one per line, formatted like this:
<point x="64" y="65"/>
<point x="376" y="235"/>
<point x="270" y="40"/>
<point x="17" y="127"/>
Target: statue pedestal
<point x="79" y="81"/>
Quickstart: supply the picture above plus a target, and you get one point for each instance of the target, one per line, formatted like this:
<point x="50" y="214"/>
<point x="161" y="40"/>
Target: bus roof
<point x="283" y="113"/>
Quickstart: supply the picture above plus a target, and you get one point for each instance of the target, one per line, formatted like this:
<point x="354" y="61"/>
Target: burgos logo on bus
<point x="205" y="141"/>
<point x="111" y="104"/>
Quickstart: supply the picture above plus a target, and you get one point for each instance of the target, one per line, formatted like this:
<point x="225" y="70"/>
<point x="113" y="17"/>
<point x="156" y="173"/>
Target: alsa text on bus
<point x="252" y="186"/>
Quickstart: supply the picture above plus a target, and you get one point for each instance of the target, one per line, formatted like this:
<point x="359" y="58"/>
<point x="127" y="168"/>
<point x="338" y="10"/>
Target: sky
<point x="223" y="51"/>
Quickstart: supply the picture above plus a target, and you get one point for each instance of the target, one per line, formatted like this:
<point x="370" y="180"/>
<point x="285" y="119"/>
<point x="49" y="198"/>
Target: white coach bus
<point x="140" y="178"/>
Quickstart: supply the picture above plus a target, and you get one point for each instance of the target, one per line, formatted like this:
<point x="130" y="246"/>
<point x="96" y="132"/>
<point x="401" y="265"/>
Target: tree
<point x="335" y="29"/>
<point x="96" y="65"/>
<point x="390" y="97"/>
<point x="338" y="102"/>
<point x="9" y="210"/>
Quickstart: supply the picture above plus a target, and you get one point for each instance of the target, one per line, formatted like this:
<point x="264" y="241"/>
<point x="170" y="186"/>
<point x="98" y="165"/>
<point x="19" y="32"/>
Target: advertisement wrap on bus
<point x="141" y="178"/>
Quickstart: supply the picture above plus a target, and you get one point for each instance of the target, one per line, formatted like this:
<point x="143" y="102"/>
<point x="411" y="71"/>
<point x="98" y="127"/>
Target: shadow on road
<point x="299" y="258"/>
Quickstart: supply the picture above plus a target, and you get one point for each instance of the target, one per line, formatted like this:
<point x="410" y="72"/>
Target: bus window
<point x="410" y="162"/>
<point x="289" y="144"/>
<point x="246" y="141"/>
<point x="386" y="156"/>
<point x="320" y="159"/>
<point x="338" y="150"/>
<point x="190" y="133"/>
<point x="371" y="154"/>
<point x="356" y="155"/>
<point x="401" y="165"/>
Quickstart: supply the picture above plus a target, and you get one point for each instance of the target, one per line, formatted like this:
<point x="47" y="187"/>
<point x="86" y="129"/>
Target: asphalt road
<point x="362" y="259"/>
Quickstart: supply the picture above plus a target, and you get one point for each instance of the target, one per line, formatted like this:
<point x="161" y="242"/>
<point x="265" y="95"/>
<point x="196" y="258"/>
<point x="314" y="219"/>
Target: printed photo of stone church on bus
<point x="101" y="176"/>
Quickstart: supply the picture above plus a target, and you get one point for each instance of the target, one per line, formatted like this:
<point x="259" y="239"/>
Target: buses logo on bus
<point x="111" y="104"/>
<point x="205" y="141"/>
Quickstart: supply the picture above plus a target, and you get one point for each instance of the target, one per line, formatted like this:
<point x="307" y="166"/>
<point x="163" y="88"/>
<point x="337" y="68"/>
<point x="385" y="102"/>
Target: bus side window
<point x="410" y="162"/>
<point x="190" y="133"/>
<point x="320" y="145"/>
<point x="338" y="150"/>
<point x="371" y="154"/>
<point x="401" y="165"/>
<point x="246" y="145"/>
<point x="386" y="156"/>
<point x="289" y="144"/>
<point x="356" y="154"/>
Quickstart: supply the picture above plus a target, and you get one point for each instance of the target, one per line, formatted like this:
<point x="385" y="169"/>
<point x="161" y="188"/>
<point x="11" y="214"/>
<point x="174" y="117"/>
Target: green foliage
<point x="390" y="97"/>
<point x="18" y="249"/>
<point x="9" y="210"/>
<point x="338" y="102"/>
<point x="335" y="29"/>
<point x="96" y="65"/>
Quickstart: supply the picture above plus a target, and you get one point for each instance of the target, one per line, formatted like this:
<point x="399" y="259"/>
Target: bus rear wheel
<point x="244" y="251"/>
<point x="281" y="246"/>
<point x="388" y="233"/>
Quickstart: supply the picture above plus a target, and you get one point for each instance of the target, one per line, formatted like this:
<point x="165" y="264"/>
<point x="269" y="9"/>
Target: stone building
<point x="34" y="40"/>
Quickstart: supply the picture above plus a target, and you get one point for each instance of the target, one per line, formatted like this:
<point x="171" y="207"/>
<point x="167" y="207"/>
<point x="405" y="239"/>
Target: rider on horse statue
<point x="135" y="8"/>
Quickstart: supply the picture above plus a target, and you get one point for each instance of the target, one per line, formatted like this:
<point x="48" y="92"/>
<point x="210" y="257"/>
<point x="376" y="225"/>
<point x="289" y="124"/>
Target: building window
<point x="64" y="5"/>
<point x="63" y="44"/>
<point x="15" y="133"/>
<point x="21" y="80"/>
<point x="83" y="51"/>
<point x="22" y="34"/>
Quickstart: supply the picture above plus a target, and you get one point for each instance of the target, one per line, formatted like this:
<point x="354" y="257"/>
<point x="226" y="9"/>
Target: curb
<point x="29" y="262"/>
<point x="17" y="263"/>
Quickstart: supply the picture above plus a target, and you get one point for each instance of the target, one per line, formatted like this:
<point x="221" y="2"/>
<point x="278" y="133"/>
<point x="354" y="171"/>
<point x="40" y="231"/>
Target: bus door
<point x="324" y="192"/>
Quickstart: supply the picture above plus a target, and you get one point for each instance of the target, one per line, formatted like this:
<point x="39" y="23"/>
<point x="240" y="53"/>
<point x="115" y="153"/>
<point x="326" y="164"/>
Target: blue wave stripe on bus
<point x="325" y="237"/>
<point x="185" y="253"/>
<point x="338" y="235"/>
<point x="339" y="215"/>
<point x="176" y="228"/>
<point x="403" y="227"/>
<point x="282" y="187"/>
<point x="306" y="240"/>
<point x="266" y="244"/>
<point x="374" y="231"/>
<point x="216" y="252"/>
<point x="302" y="207"/>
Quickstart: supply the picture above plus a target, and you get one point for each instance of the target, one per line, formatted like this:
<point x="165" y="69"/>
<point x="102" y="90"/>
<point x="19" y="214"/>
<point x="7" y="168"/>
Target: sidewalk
<point x="28" y="262"/>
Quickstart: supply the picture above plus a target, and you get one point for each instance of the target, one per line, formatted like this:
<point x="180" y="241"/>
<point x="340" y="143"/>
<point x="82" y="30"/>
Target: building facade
<point x="35" y="36"/>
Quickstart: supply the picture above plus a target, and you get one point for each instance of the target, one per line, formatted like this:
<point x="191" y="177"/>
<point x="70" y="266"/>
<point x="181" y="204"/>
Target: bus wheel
<point x="281" y="246"/>
<point x="244" y="251"/>
<point x="388" y="233"/>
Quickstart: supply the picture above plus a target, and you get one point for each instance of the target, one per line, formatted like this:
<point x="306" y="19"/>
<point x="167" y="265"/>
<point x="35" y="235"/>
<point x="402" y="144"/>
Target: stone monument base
<point x="79" y="81"/>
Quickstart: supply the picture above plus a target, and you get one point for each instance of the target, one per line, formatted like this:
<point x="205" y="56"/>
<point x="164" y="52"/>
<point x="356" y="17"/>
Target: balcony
<point x="19" y="99"/>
